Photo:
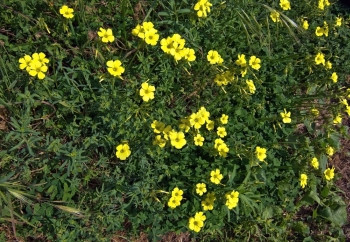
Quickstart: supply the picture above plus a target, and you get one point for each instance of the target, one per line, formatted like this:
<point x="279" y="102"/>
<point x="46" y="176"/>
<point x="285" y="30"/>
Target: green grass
<point x="60" y="178"/>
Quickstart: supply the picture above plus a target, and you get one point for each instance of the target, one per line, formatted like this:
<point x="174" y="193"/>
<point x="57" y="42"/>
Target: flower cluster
<point x="35" y="65"/>
<point x="177" y="139"/>
<point x="232" y="199"/>
<point x="176" y="197"/>
<point x="106" y="35"/>
<point x="214" y="57"/>
<point x="67" y="12"/>
<point x="254" y="63"/>
<point x="203" y="8"/>
<point x="197" y="222"/>
<point x="175" y="45"/>
<point x="147" y="32"/>
<point x="123" y="151"/>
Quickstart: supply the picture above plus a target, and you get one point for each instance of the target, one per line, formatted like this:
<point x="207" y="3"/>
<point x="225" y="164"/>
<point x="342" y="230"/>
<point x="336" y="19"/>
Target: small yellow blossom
<point x="224" y="119"/>
<point x="201" y="188"/>
<point x="275" y="16"/>
<point x="174" y="202"/>
<point x="260" y="153"/>
<point x="177" y="139"/>
<point x="203" y="8"/>
<point x="315" y="112"/>
<point x="286" y="117"/>
<point x="319" y="59"/>
<point x="305" y="24"/>
<point x="177" y="193"/>
<point x="196" y="120"/>
<point x="251" y="86"/>
<point x="241" y="61"/>
<point x="25" y="62"/>
<point x="329" y="151"/>
<point x="106" y="35"/>
<point x="328" y="65"/>
<point x="66" y="11"/>
<point x="147" y="92"/>
<point x="329" y="174"/>
<point x="254" y="62"/>
<point x="221" y="131"/>
<point x="214" y="57"/>
<point x="210" y="125"/>
<point x="334" y="77"/>
<point x="232" y="199"/>
<point x="157" y="126"/>
<point x="195" y="224"/>
<point x="123" y="151"/>
<point x="198" y="140"/>
<point x="337" y="119"/>
<point x="338" y="21"/>
<point x="303" y="180"/>
<point x="216" y="176"/>
<point x="315" y="163"/>
<point x="37" y="68"/>
<point x="285" y="4"/>
<point x="151" y="37"/>
<point x="115" y="67"/>
<point x="159" y="141"/>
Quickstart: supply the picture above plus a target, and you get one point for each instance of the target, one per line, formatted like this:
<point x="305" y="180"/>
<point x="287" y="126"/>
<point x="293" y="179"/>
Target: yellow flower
<point x="232" y="199"/>
<point x="66" y="11"/>
<point x="328" y="65"/>
<point x="254" y="62"/>
<point x="159" y="141"/>
<point x="37" y="68"/>
<point x="210" y="125"/>
<point x="177" y="193"/>
<point x="334" y="77"/>
<point x="329" y="150"/>
<point x="185" y="124"/>
<point x="41" y="57"/>
<point x="320" y="31"/>
<point x="201" y="188"/>
<point x="147" y="92"/>
<point x="275" y="16"/>
<point x="123" y="151"/>
<point x="286" y="117"/>
<point x="224" y="119"/>
<point x="223" y="149"/>
<point x="338" y="21"/>
<point x="214" y="58"/>
<point x="241" y="61"/>
<point x="157" y="126"/>
<point x="216" y="176"/>
<point x="251" y="86"/>
<point x="151" y="37"/>
<point x="305" y="24"/>
<point x="315" y="112"/>
<point x="106" y="35"/>
<point x="329" y="174"/>
<point x="198" y="140"/>
<point x="196" y="120"/>
<point x="115" y="67"/>
<point x="174" y="202"/>
<point x="337" y="119"/>
<point x="319" y="59"/>
<point x="260" y="153"/>
<point x="177" y="139"/>
<point x="189" y="54"/>
<point x="208" y="202"/>
<point x="204" y="113"/>
<point x="303" y="180"/>
<point x="315" y="163"/>
<point x="285" y="4"/>
<point x="25" y="62"/>
<point x="203" y="8"/>
<point x="221" y="131"/>
<point x="195" y="224"/>
<point x="200" y="216"/>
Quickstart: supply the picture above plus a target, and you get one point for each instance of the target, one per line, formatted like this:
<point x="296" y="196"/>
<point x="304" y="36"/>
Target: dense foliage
<point x="214" y="117"/>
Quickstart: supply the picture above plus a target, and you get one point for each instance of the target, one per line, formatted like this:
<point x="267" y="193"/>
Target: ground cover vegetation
<point x="217" y="118"/>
